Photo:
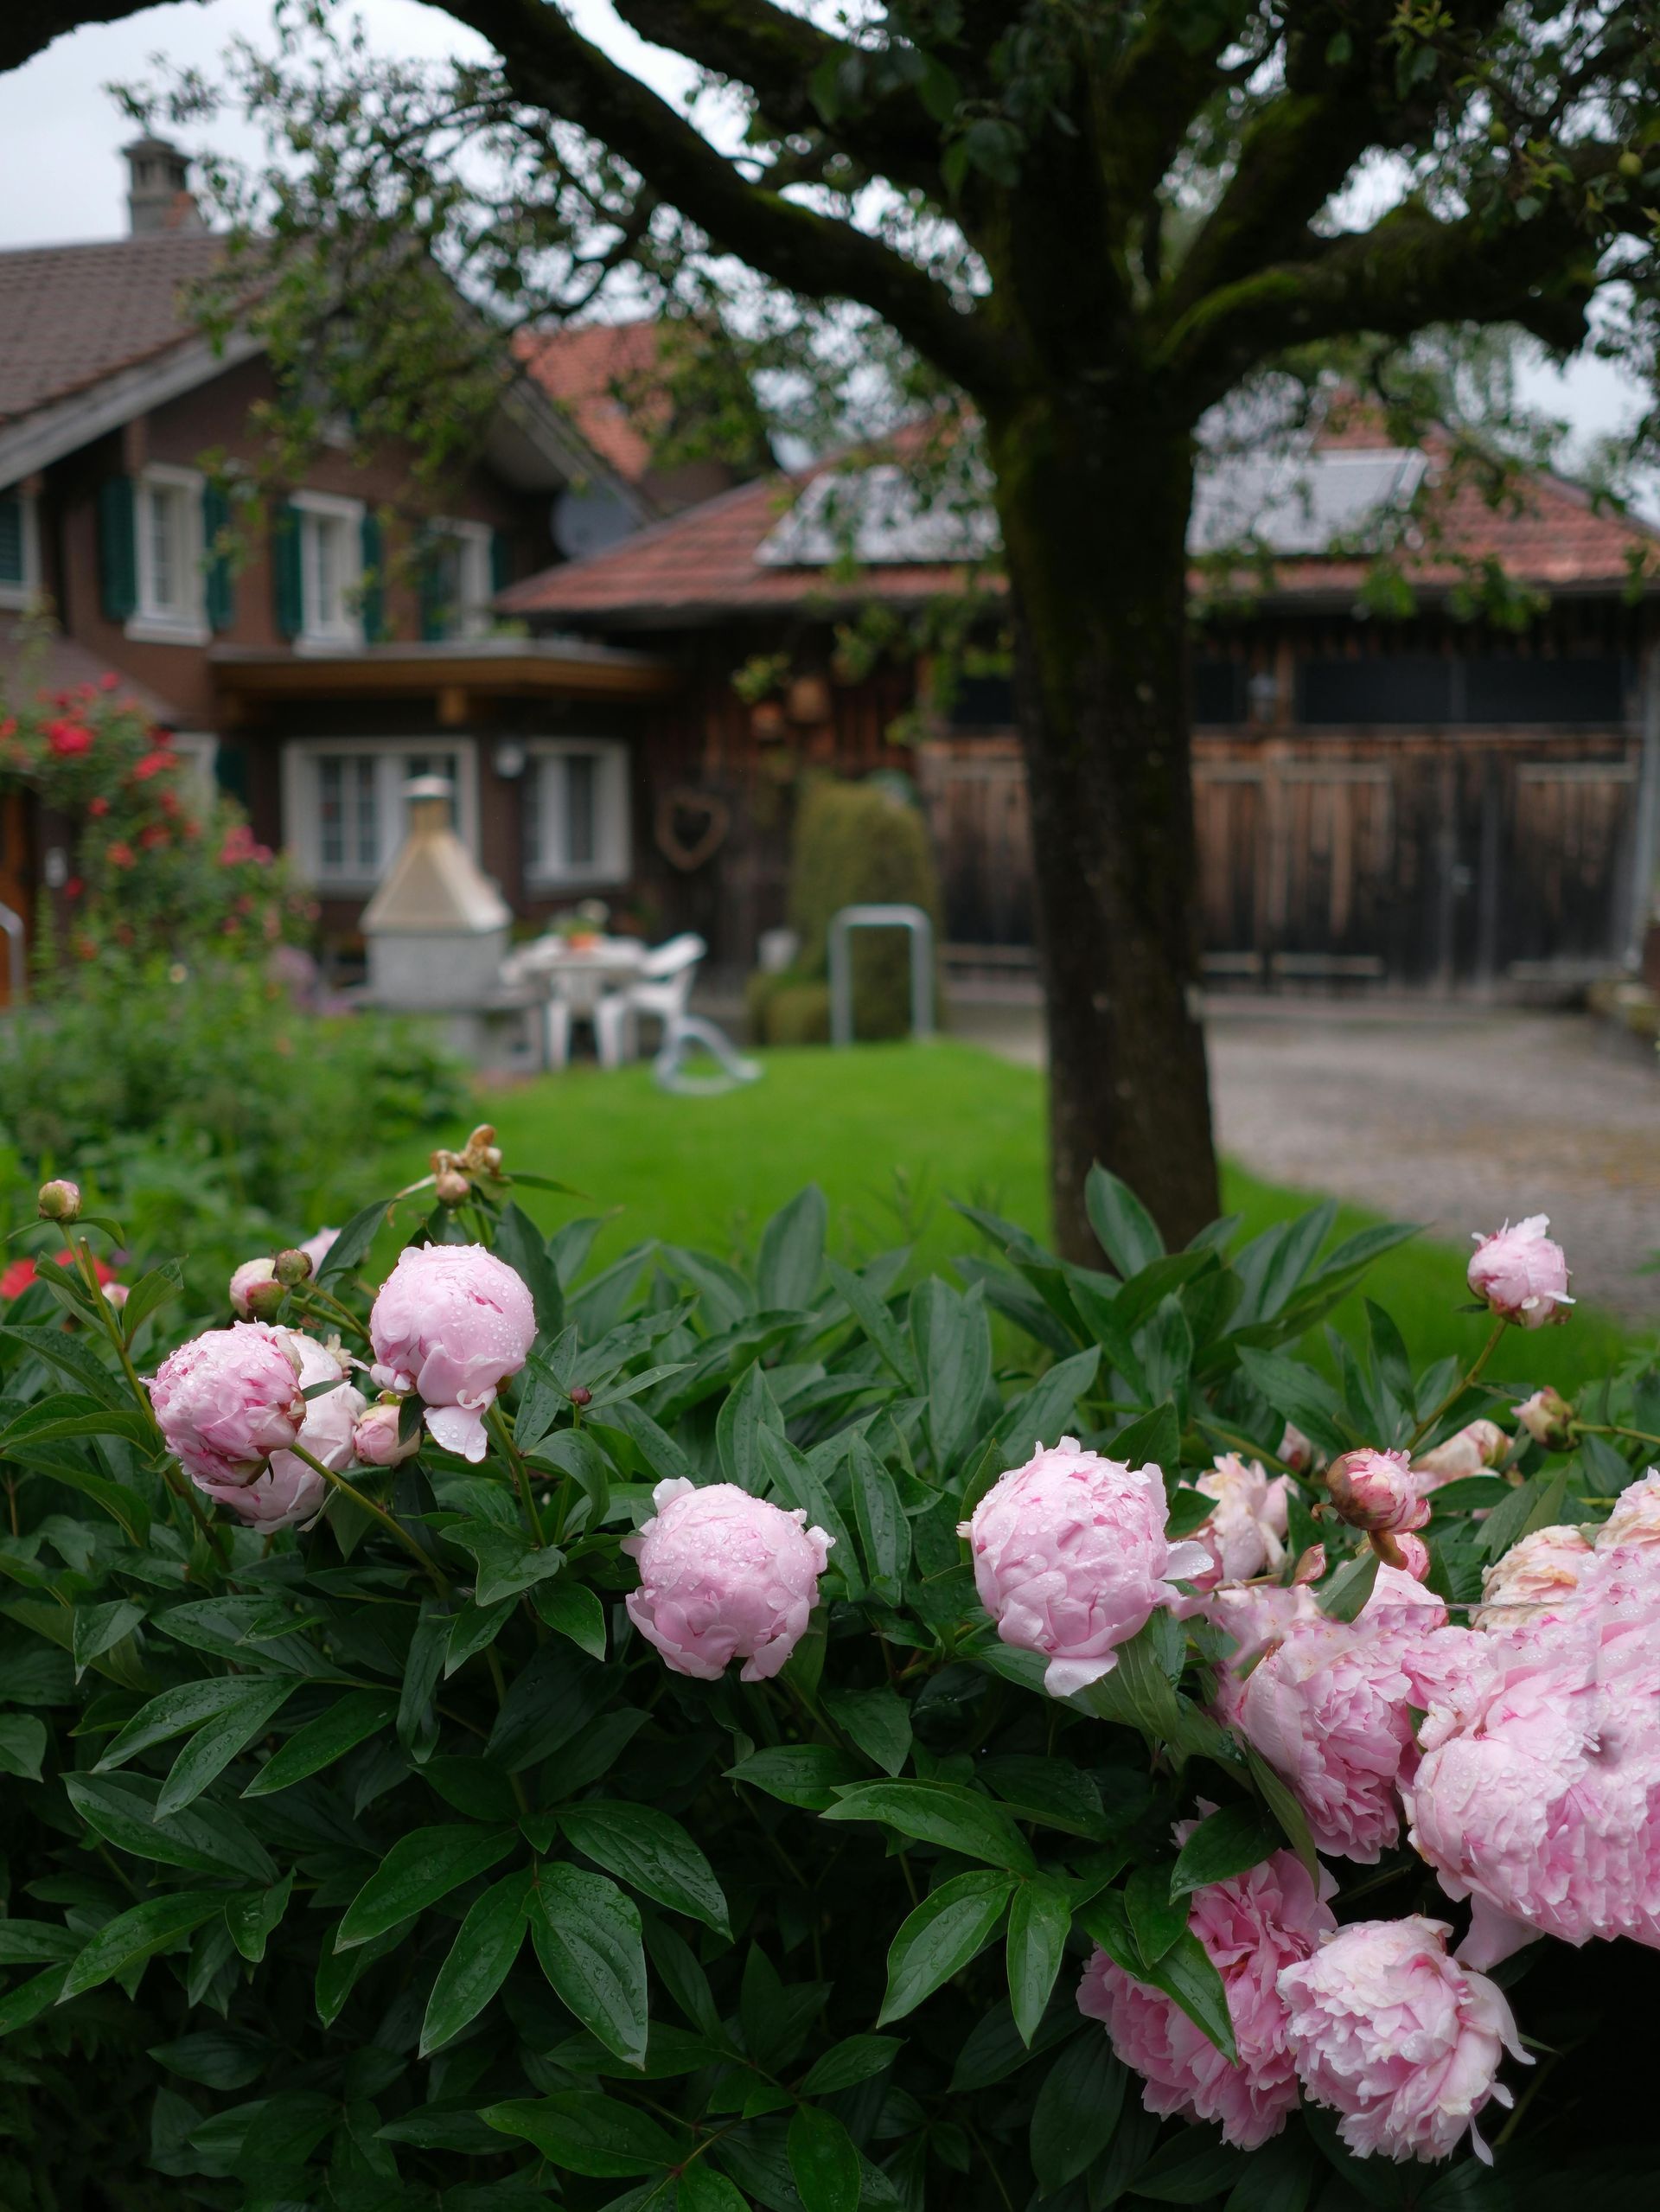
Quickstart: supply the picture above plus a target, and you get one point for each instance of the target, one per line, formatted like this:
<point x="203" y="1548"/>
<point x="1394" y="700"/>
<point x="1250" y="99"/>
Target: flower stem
<point x="308" y="1294"/>
<point x="1592" y="1429"/>
<point x="495" y="1422"/>
<point x="376" y="1512"/>
<point x="1465" y="1382"/>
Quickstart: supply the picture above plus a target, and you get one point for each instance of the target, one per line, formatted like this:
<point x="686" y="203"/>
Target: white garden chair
<point x="663" y="990"/>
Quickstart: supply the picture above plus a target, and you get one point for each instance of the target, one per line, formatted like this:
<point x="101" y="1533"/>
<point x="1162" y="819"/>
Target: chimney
<point x="159" y="197"/>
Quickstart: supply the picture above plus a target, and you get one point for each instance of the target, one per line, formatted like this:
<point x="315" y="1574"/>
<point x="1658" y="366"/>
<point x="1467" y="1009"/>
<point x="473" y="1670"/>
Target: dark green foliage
<point x="353" y="1875"/>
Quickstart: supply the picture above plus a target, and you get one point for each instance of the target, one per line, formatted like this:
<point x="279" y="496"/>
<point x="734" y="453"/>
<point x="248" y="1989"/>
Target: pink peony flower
<point x="1536" y="1794"/>
<point x="272" y="1501"/>
<point x="229" y="1399"/>
<point x="724" y="1575"/>
<point x="1400" y="2039"/>
<point x="1477" y="1447"/>
<point x="1636" y="1516"/>
<point x="1537" y="1576"/>
<point x="1547" y="1418"/>
<point x="453" y="1322"/>
<point x="1414" y="1555"/>
<point x="1245" y="1534"/>
<point x="1375" y="1491"/>
<point x="1295" y="1450"/>
<point x="1521" y="1274"/>
<point x="376" y="1442"/>
<point x="1331" y="1707"/>
<point x="250" y="1298"/>
<point x="288" y="1491"/>
<point x="318" y="1247"/>
<point x="1253" y="1925"/>
<point x="1070" y="1559"/>
<point x="1257" y="1614"/>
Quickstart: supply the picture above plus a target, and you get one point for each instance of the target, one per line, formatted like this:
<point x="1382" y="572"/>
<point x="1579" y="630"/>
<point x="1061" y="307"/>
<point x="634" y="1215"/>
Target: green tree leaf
<point x="1078" y="2109"/>
<point x="822" y="2161"/>
<point x="946" y="1813"/>
<point x="132" y="1937"/>
<point x="878" y="1721"/>
<point x="856" y="2059"/>
<point x="807" y="1774"/>
<point x="883" y="1530"/>
<point x="572" y="1609"/>
<point x="205" y="1839"/>
<point x="1228" y="1842"/>
<point x="22" y="1745"/>
<point x="479" y="1960"/>
<point x="791" y="1258"/>
<point x="587" y="1936"/>
<point x="217" y="1742"/>
<point x="1040" y="1919"/>
<point x="1127" y="1233"/>
<point x="416" y="1872"/>
<point x="936" y="1940"/>
<point x="348" y="1722"/>
<point x="652" y="1853"/>
<point x="353" y="1241"/>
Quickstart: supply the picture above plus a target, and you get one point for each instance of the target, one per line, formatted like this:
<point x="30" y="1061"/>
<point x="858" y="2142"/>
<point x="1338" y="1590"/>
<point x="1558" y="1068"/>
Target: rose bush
<point x="805" y="1747"/>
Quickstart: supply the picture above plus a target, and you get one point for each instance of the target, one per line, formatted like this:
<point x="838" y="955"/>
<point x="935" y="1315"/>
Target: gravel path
<point x="1456" y="1118"/>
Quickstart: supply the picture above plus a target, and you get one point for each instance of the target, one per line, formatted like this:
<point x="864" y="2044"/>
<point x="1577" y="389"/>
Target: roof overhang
<point x="563" y="667"/>
<point x="35" y="440"/>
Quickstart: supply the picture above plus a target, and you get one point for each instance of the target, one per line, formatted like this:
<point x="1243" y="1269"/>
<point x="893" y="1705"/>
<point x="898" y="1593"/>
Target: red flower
<point x="108" y="680"/>
<point x="120" y="855"/>
<point x="99" y="805"/>
<point x="239" y="846"/>
<point x="154" y="834"/>
<point x="73" y="888"/>
<point x="167" y="802"/>
<point x="18" y="1276"/>
<point x="8" y="727"/>
<point x="153" y="764"/>
<point x="190" y="827"/>
<point x="68" y="738"/>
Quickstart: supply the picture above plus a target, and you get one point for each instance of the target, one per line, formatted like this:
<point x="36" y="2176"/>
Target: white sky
<point x="61" y="176"/>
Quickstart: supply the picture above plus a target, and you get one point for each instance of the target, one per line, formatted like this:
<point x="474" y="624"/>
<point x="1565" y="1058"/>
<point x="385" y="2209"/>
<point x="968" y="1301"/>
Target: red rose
<point x="153" y="835"/>
<point x="153" y="764"/>
<point x="120" y="855"/>
<point x="68" y="738"/>
<point x="98" y="806"/>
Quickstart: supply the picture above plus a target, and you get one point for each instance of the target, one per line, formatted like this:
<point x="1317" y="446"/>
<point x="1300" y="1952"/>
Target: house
<point x="351" y="641"/>
<point x="1427" y="799"/>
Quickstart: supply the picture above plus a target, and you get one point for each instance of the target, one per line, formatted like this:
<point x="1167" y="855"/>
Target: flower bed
<point x="689" y="1737"/>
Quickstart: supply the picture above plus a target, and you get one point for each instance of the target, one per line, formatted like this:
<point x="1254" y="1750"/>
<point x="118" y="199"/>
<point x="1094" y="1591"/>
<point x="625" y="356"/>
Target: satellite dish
<point x="585" y="522"/>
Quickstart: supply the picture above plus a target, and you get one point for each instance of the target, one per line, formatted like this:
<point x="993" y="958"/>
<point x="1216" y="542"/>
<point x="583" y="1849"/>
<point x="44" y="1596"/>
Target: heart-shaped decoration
<point x="691" y="826"/>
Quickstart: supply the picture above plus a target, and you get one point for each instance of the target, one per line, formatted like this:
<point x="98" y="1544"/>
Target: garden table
<point x="576" y="976"/>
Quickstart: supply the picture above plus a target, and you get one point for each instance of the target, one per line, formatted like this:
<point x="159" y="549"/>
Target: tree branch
<point x="549" y="65"/>
<point x="28" y="27"/>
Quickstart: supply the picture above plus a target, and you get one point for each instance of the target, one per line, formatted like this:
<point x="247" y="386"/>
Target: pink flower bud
<point x="253" y="1276"/>
<point x="1412" y="1555"/>
<point x="117" y="1295"/>
<point x="1375" y="1491"/>
<point x="376" y="1442"/>
<point x="227" y="1399"/>
<point x="1521" y="1274"/>
<point x="1296" y="1452"/>
<point x="454" y="1323"/>
<point x="1310" y="1567"/>
<point x="292" y="1266"/>
<point x="724" y="1575"/>
<point x="581" y="1395"/>
<point x="1071" y="1559"/>
<point x="1400" y="2039"/>
<point x="1477" y="1447"/>
<point x="1548" y="1418"/>
<point x="60" y="1200"/>
<point x="450" y="1188"/>
<point x="290" y="1490"/>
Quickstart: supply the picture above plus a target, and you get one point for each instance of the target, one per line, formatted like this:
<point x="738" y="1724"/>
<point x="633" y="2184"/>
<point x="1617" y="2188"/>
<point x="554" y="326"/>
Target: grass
<point x="891" y="1133"/>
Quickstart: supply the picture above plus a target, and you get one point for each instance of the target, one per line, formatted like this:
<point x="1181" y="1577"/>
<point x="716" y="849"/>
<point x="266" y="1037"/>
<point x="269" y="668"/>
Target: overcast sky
<point x="61" y="176"/>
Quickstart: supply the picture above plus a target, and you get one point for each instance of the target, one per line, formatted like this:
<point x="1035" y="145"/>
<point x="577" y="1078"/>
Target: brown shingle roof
<point x="71" y="316"/>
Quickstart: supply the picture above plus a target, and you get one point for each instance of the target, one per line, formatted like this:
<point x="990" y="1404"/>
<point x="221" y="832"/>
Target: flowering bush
<point x="158" y="862"/>
<point x="483" y="1734"/>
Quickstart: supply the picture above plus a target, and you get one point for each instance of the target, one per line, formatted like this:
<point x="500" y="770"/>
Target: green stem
<point x="1244" y="1444"/>
<point x="393" y="1528"/>
<point x="1465" y="1382"/>
<point x="1591" y="1428"/>
<point x="495" y="1421"/>
<point x="308" y="1294"/>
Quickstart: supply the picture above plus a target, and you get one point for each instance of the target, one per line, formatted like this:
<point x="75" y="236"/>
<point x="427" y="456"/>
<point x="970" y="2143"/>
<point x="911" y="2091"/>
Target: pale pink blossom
<point x="1071" y="1559"/>
<point x="272" y="1500"/>
<point x="117" y="1293"/>
<point x="1538" y="1795"/>
<point x="1521" y="1274"/>
<point x="1256" y="1614"/>
<point x="288" y="1491"/>
<point x="227" y="1399"/>
<point x="1540" y="1574"/>
<point x="1477" y="1447"/>
<point x="1377" y="1492"/>
<point x="1414" y="1555"/>
<point x="1636" y="1516"/>
<point x="1296" y="1452"/>
<point x="1547" y="1418"/>
<point x="255" y="1292"/>
<point x="724" y="1575"/>
<point x="318" y="1246"/>
<point x="1400" y="2039"/>
<point x="454" y="1323"/>
<point x="1252" y="1926"/>
<point x="1245" y="1531"/>
<point x="377" y="1441"/>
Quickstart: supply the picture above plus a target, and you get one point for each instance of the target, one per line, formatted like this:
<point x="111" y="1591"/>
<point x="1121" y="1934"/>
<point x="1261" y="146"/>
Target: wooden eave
<point x="491" y="668"/>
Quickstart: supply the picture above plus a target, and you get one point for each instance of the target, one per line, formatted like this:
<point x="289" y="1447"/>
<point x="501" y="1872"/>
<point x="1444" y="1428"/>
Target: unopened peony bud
<point x="493" y="1157"/>
<point x="376" y="1440"/>
<point x="1521" y="1274"/>
<point x="1477" y="1447"/>
<point x="1412" y="1554"/>
<point x="581" y="1395"/>
<point x="60" y="1200"/>
<point x="1375" y="1491"/>
<point x="451" y="1187"/>
<point x="1310" y="1567"/>
<point x="255" y="1277"/>
<point x="117" y="1293"/>
<point x="1548" y="1419"/>
<point x="1295" y="1450"/>
<point x="483" y="1135"/>
<point x="293" y="1267"/>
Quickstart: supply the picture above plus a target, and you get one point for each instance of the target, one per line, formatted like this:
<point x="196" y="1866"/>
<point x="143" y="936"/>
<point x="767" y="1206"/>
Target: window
<point x="344" y="812"/>
<point x="20" y="549"/>
<point x="171" y="604"/>
<point x="199" y="751"/>
<point x="455" y="582"/>
<point x="331" y="569"/>
<point x="1427" y="689"/>
<point x="576" y="814"/>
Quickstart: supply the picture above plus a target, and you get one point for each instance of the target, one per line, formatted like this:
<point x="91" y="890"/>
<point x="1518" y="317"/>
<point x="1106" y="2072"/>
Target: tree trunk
<point x="1094" y="517"/>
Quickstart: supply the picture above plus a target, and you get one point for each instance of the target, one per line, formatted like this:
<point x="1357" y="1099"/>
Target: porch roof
<point x="570" y="667"/>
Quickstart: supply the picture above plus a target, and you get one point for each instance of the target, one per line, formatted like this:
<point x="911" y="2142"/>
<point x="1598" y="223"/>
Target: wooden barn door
<point x="1562" y="891"/>
<point x="974" y="794"/>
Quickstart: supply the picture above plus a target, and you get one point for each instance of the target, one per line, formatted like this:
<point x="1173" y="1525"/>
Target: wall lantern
<point x="509" y="759"/>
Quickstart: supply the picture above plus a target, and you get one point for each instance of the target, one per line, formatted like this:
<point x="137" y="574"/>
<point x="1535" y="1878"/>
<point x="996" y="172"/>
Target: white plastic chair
<point x="663" y="989"/>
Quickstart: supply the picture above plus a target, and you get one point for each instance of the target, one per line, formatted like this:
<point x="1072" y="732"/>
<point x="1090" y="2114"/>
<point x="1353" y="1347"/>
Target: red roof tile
<point x="71" y="316"/>
<point x="606" y="374"/>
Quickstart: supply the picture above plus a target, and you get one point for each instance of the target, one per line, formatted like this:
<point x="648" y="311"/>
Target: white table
<point x="577" y="975"/>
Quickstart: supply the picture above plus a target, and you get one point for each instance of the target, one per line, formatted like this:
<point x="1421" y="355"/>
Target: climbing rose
<point x="1536" y="1576"/>
<point x="229" y="1399"/>
<point x="377" y="1441"/>
<point x="255" y="1294"/>
<point x="1547" y="1416"/>
<point x="453" y="1322"/>
<point x="1400" y="2039"/>
<point x="1252" y="1926"/>
<point x="1520" y="1274"/>
<point x="1245" y="1532"/>
<point x="1536" y="1795"/>
<point x="1375" y="1491"/>
<point x="724" y="1575"/>
<point x="1070" y="1559"/>
<point x="1477" y="1447"/>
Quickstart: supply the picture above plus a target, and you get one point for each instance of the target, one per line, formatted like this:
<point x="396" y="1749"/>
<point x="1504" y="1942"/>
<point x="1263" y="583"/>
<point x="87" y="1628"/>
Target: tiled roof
<point x="606" y="374"/>
<point x="707" y="562"/>
<point x="71" y="316"/>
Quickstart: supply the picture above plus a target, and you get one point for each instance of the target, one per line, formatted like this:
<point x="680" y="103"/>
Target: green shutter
<point x="287" y="584"/>
<point x="11" y="537"/>
<point x="500" y="560"/>
<point x="219" y="592"/>
<point x="117" y="551"/>
<point x="435" y="610"/>
<point x="373" y="606"/>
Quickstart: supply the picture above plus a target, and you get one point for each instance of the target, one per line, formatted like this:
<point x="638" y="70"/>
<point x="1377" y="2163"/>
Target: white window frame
<point x="472" y="616"/>
<point x="302" y="811"/>
<point x="184" y="622"/>
<point x="321" y="506"/>
<point x="24" y="593"/>
<point x="614" y="815"/>
<point x="199" y="751"/>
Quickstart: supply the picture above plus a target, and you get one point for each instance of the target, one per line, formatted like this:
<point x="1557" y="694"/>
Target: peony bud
<point x="1295" y="1450"/>
<point x="117" y="1293"/>
<point x="1412" y="1555"/>
<point x="484" y="1135"/>
<point x="60" y="1200"/>
<point x="581" y="1395"/>
<point x="377" y="1441"/>
<point x="248" y="1277"/>
<point x="1375" y="1491"/>
<point x="1310" y="1567"/>
<point x="451" y="1187"/>
<point x="1477" y="1447"/>
<point x="1521" y="1274"/>
<point x="292" y="1266"/>
<point x="1548" y="1419"/>
<point x="493" y="1157"/>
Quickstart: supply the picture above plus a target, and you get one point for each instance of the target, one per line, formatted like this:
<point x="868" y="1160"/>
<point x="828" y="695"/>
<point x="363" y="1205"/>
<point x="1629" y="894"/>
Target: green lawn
<point x="890" y="1132"/>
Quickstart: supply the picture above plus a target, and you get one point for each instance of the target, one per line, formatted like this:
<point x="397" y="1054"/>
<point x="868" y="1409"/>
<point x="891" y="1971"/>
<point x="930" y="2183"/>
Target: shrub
<point x="855" y="844"/>
<point x="425" y="1854"/>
